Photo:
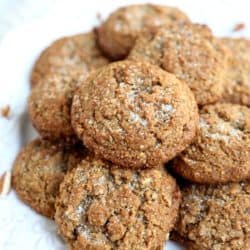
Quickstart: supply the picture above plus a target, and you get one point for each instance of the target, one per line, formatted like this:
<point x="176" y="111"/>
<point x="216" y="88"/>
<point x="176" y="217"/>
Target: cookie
<point x="103" y="206"/>
<point x="215" y="217"/>
<point x="134" y="114"/>
<point x="49" y="106"/>
<point x="237" y="88"/>
<point x="78" y="53"/>
<point x="116" y="36"/>
<point x="37" y="173"/>
<point x="192" y="53"/>
<point x="221" y="151"/>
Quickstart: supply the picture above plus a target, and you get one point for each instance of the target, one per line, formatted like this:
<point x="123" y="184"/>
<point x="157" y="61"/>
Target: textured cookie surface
<point x="50" y="104"/>
<point x="238" y="74"/>
<point x="105" y="207"/>
<point x="215" y="217"/>
<point x="117" y="34"/>
<point x="191" y="53"/>
<point x="221" y="151"/>
<point x="38" y="171"/>
<point x="78" y="53"/>
<point x="134" y="114"/>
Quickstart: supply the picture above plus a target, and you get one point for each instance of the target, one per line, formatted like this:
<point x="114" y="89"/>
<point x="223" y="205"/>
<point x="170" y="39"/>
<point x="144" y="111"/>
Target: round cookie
<point x="50" y="106"/>
<point x="237" y="88"/>
<point x="215" y="217"/>
<point x="37" y="173"/>
<point x="102" y="206"/>
<point x="192" y="53"/>
<point x="134" y="114"/>
<point x="78" y="53"/>
<point x="221" y="151"/>
<point x="117" y="34"/>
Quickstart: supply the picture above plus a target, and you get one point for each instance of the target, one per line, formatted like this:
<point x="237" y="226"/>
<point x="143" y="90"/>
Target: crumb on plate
<point x="5" y="111"/>
<point x="239" y="27"/>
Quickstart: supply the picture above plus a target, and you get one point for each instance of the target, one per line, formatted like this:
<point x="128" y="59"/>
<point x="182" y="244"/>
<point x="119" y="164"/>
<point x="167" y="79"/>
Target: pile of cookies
<point x="144" y="128"/>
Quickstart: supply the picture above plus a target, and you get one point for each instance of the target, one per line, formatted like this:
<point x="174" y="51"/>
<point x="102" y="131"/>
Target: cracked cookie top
<point x="192" y="53"/>
<point x="116" y="36"/>
<point x="221" y="150"/>
<point x="50" y="106"/>
<point x="37" y="172"/>
<point x="102" y="206"/>
<point x="134" y="114"/>
<point x="77" y="53"/>
<point x="237" y="87"/>
<point x="215" y="217"/>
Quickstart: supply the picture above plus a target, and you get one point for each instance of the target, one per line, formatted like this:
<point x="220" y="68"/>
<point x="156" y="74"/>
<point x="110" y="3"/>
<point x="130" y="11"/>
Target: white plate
<point x="20" y="227"/>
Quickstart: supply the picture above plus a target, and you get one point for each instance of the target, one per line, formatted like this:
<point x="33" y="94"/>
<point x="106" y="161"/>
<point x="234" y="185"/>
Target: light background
<point x="27" y="27"/>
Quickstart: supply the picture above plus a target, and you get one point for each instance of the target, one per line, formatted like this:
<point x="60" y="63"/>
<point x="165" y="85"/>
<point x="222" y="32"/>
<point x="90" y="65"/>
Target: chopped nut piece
<point x="5" y="183"/>
<point x="239" y="26"/>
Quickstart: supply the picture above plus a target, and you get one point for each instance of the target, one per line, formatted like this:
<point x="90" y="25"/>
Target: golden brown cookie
<point x="215" y="217"/>
<point x="134" y="114"/>
<point x="192" y="53"/>
<point x="102" y="206"/>
<point x="221" y="151"/>
<point x="50" y="104"/>
<point x="237" y="88"/>
<point x="78" y="53"/>
<point x="38" y="171"/>
<point x="117" y="34"/>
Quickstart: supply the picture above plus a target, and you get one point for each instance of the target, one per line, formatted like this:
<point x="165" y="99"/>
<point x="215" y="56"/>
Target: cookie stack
<point x="121" y="110"/>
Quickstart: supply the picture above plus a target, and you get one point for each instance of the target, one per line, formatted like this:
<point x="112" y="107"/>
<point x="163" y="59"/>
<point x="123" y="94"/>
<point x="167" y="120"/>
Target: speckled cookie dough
<point x="117" y="34"/>
<point x="134" y="114"/>
<point x="38" y="171"/>
<point x="221" y="151"/>
<point x="78" y="53"/>
<point x="192" y="53"/>
<point x="215" y="217"/>
<point x="102" y="206"/>
<point x="238" y="74"/>
<point x="50" y="106"/>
